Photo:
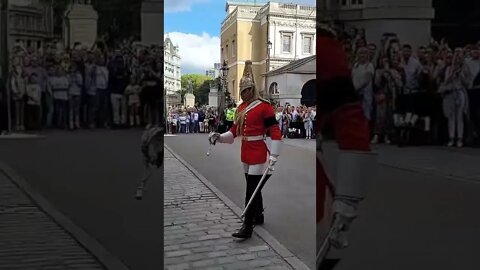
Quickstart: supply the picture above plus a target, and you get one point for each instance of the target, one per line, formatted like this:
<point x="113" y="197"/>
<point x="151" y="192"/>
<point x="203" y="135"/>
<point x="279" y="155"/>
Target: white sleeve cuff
<point x="226" y="137"/>
<point x="275" y="147"/>
<point x="355" y="169"/>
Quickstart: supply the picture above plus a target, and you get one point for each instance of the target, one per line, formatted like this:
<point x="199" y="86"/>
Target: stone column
<point x="81" y="24"/>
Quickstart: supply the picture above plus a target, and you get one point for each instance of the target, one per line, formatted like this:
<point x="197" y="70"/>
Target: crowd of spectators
<point x="81" y="87"/>
<point x="417" y="94"/>
<point x="294" y="121"/>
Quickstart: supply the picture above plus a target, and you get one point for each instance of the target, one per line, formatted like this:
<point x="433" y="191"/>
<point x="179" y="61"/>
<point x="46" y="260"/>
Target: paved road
<point x="91" y="177"/>
<point x="289" y="196"/>
<point x="30" y="239"/>
<point x="425" y="217"/>
<point x="421" y="212"/>
<point x="199" y="224"/>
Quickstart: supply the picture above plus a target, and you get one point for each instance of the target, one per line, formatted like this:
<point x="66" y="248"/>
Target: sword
<point x="146" y="175"/>
<point x="209" y="149"/>
<point x="257" y="189"/>
<point x="322" y="262"/>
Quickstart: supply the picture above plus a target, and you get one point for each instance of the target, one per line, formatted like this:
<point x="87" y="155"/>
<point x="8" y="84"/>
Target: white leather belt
<point x="253" y="138"/>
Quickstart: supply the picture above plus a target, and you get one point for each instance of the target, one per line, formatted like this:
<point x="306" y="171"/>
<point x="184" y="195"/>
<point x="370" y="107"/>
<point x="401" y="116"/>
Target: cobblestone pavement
<point x="30" y="239"/>
<point x="198" y="228"/>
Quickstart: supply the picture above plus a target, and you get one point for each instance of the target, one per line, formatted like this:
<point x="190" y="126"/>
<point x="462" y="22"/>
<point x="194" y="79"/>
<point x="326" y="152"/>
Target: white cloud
<point x="172" y="6"/>
<point x="198" y="52"/>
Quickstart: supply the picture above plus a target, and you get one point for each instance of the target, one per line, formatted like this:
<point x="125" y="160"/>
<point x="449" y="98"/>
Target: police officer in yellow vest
<point x="230" y="116"/>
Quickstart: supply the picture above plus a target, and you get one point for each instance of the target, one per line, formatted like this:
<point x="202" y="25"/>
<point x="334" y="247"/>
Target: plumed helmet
<point x="247" y="80"/>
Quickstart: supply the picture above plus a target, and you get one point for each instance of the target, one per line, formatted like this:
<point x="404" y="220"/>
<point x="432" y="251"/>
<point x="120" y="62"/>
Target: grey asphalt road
<point x="421" y="212"/>
<point x="91" y="177"/>
<point x="289" y="196"/>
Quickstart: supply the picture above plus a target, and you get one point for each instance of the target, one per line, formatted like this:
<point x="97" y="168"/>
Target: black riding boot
<point x="246" y="230"/>
<point x="259" y="217"/>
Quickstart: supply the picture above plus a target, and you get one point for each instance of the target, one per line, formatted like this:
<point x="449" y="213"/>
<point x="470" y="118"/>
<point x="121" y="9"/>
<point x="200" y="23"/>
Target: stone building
<point x="172" y="73"/>
<point x="294" y="83"/>
<point x="409" y="19"/>
<point x="249" y="28"/>
<point x="214" y="72"/>
<point x="30" y="23"/>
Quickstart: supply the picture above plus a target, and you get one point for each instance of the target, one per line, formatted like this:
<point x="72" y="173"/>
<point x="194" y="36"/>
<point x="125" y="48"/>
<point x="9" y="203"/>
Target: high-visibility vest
<point x="230" y="115"/>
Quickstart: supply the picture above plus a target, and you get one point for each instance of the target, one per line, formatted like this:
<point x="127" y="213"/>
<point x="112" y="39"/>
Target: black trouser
<point x="256" y="207"/>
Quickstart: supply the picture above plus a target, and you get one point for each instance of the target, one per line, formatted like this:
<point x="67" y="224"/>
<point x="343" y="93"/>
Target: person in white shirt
<point x="18" y="86"/>
<point x="34" y="101"/>
<point x="413" y="71"/>
<point x="195" y="121"/>
<point x="91" y="90"/>
<point x="362" y="74"/>
<point x="75" y="92"/>
<point x="60" y="84"/>
<point x="187" y="123"/>
<point x="278" y="117"/>
<point x="102" y="77"/>
<point x="308" y="123"/>
<point x="182" y="119"/>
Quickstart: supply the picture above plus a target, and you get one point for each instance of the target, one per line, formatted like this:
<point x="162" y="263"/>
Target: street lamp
<point x="224" y="94"/>
<point x="267" y="68"/>
<point x="5" y="62"/>
<point x="4" y="56"/>
<point x="224" y="74"/>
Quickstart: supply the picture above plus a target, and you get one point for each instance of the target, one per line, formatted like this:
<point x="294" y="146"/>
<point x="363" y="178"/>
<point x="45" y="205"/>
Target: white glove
<point x="272" y="160"/>
<point x="213" y="137"/>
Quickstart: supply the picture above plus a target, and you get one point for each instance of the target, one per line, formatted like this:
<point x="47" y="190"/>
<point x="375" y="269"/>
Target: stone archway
<point x="273" y="89"/>
<point x="309" y="93"/>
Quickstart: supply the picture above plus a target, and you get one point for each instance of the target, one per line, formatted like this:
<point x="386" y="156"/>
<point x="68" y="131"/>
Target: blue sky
<point x="194" y="25"/>
<point x="196" y="18"/>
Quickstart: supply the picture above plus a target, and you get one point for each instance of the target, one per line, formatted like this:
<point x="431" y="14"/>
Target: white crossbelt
<point x="253" y="138"/>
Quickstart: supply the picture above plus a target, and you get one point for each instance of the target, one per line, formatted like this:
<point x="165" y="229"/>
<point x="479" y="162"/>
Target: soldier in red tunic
<point x="338" y="196"/>
<point x="255" y="117"/>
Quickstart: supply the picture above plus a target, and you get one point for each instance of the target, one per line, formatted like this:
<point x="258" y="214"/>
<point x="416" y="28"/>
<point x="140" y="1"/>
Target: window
<point x="351" y="3"/>
<point x="287" y="42"/>
<point x="233" y="48"/>
<point x="307" y="44"/>
<point x="274" y="89"/>
<point x="226" y="52"/>
<point x="233" y="87"/>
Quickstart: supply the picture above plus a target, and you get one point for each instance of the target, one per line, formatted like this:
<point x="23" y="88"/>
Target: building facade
<point x="409" y="19"/>
<point x="172" y="73"/>
<point x="294" y="83"/>
<point x="214" y="72"/>
<point x="249" y="28"/>
<point x="30" y="24"/>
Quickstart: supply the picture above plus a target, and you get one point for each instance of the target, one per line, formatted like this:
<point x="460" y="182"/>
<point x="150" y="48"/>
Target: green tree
<point x="197" y="84"/>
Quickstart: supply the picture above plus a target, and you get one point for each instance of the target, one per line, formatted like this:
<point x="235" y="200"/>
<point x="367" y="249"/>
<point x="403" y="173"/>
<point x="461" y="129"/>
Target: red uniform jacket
<point x="349" y="123"/>
<point x="258" y="121"/>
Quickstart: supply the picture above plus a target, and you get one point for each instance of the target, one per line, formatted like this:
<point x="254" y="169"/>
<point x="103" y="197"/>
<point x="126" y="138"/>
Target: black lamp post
<point x="224" y="74"/>
<point x="224" y="94"/>
<point x="267" y="69"/>
<point x="4" y="56"/>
